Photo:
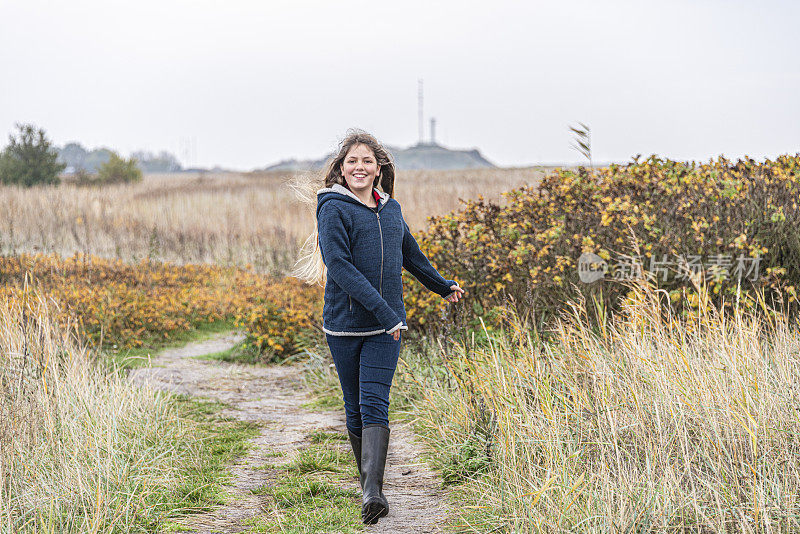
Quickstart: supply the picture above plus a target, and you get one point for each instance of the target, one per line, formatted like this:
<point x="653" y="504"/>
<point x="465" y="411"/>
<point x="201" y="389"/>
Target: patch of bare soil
<point x="272" y="395"/>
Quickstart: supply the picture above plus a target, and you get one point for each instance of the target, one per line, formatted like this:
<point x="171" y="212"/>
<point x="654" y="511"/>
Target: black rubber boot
<point x="375" y="444"/>
<point x="355" y="442"/>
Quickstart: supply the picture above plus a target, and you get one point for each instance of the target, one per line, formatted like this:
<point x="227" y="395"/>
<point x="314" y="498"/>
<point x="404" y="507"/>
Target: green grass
<point x="303" y="504"/>
<point x="223" y="441"/>
<point x="323" y="457"/>
<point x="171" y="526"/>
<point x="221" y="356"/>
<point x="320" y="436"/>
<point x="239" y="353"/>
<point x="311" y="493"/>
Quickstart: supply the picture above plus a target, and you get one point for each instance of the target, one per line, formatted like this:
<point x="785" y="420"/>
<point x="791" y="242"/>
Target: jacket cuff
<point x="398" y="326"/>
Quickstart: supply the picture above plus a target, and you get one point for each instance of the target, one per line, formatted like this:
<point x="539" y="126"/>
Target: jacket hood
<point x="340" y="192"/>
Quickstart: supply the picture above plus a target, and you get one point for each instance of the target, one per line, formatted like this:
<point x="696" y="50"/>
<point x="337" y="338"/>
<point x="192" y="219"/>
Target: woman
<point x="364" y="244"/>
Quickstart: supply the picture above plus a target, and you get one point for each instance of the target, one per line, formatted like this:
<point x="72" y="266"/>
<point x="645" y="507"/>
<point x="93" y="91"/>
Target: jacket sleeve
<point x="335" y="248"/>
<point x="417" y="264"/>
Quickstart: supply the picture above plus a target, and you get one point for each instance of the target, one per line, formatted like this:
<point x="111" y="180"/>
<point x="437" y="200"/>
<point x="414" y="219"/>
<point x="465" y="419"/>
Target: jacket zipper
<point x="380" y="285"/>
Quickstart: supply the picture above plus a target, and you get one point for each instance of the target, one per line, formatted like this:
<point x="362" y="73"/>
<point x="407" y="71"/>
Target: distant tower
<point x="419" y="111"/>
<point x="433" y="131"/>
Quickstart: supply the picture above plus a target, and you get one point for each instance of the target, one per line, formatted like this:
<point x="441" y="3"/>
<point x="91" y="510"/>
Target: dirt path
<point x="272" y="395"/>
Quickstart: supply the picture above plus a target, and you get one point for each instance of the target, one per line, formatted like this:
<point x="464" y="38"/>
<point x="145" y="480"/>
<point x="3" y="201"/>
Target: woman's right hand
<point x="454" y="296"/>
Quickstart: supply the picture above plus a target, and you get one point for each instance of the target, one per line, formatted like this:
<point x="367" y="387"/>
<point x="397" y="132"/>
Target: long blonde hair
<point x="309" y="267"/>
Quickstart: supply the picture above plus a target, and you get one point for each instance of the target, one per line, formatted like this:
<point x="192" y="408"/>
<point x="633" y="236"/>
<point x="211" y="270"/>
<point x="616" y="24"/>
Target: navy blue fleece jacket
<point x="365" y="253"/>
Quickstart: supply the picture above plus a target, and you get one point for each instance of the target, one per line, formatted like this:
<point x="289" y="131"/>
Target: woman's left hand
<point x="456" y="294"/>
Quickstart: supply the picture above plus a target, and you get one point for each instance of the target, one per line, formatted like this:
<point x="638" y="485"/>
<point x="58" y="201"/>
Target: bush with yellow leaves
<point x="129" y="305"/>
<point x="526" y="252"/>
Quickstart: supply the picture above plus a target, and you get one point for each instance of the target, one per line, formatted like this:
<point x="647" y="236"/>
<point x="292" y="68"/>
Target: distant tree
<point x="119" y="170"/>
<point x="163" y="162"/>
<point x="97" y="158"/>
<point x="73" y="155"/>
<point x="29" y="159"/>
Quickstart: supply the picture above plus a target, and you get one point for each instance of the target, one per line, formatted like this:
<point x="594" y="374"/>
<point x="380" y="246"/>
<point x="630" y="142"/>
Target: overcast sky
<point x="248" y="83"/>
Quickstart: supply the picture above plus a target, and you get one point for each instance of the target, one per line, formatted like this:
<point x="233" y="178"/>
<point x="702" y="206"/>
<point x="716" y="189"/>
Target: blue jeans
<point x="365" y="365"/>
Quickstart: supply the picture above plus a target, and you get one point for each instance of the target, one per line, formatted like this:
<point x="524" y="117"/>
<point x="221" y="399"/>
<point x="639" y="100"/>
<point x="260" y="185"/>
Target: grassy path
<point x="298" y="474"/>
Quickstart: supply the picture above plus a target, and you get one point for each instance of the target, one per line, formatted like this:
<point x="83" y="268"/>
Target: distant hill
<point x="420" y="156"/>
<point x="436" y="157"/>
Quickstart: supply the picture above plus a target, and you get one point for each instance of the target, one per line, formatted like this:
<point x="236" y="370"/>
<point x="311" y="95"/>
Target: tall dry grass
<point x="649" y="424"/>
<point x="226" y="219"/>
<point x="81" y="449"/>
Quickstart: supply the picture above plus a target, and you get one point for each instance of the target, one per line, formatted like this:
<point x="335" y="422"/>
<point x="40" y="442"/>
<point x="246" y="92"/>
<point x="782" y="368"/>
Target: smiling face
<point x="360" y="168"/>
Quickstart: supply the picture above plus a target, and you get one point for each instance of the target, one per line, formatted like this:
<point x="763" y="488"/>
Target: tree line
<point x="30" y="159"/>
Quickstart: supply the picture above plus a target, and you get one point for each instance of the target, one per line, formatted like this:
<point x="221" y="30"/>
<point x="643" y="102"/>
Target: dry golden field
<point x="228" y="219"/>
